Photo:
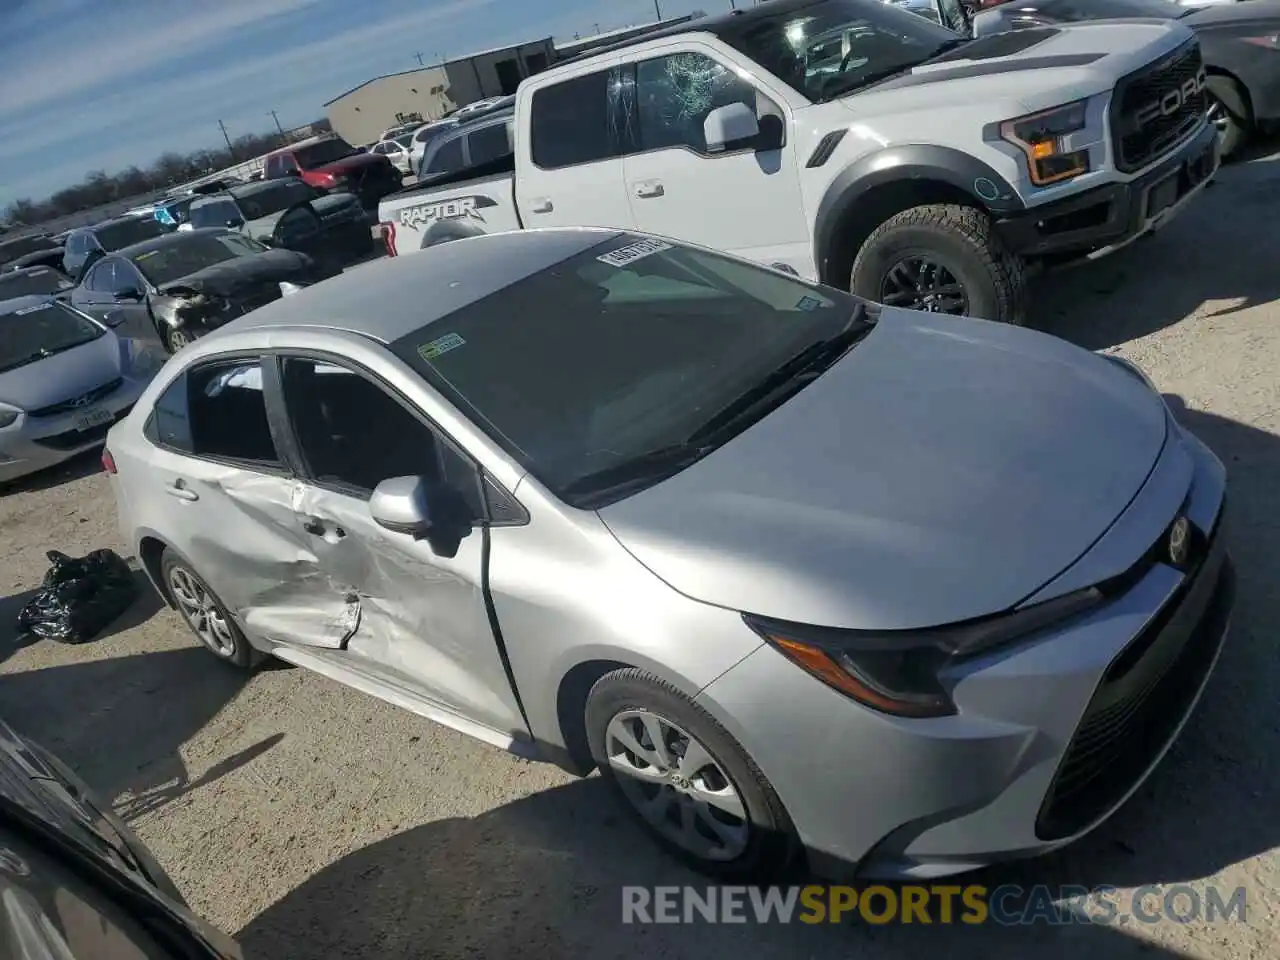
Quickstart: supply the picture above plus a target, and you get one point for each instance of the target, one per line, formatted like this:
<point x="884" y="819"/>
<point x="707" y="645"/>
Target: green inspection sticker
<point x="429" y="351"/>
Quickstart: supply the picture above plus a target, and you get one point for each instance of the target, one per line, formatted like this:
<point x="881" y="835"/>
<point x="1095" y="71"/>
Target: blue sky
<point x="101" y="84"/>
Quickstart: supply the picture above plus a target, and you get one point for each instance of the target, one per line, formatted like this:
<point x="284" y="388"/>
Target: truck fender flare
<point x="442" y="231"/>
<point x="930" y="162"/>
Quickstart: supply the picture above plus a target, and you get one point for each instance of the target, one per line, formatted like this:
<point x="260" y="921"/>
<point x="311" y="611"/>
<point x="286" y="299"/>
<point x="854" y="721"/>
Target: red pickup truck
<point x="330" y="163"/>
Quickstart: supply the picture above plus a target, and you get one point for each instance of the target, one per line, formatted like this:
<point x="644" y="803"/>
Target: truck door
<point x="744" y="199"/>
<point x="570" y="169"/>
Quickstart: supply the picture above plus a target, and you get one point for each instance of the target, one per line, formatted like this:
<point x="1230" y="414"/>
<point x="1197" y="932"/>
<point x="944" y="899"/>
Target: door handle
<point x="649" y="188"/>
<point x="180" y="490"/>
<point x="541" y="205"/>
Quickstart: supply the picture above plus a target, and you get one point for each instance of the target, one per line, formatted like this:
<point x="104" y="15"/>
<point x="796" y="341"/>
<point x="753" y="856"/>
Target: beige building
<point x="362" y="113"/>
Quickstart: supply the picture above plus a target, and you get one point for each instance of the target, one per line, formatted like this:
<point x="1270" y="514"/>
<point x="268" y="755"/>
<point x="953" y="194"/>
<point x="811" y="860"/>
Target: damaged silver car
<point x="182" y="285"/>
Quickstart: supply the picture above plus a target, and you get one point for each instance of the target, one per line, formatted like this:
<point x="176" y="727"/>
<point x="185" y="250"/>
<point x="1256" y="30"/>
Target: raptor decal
<point x="455" y="208"/>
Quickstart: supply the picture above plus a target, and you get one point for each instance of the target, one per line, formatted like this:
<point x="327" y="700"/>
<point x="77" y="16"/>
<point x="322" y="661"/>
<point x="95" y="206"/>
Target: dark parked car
<point x="105" y="237"/>
<point x="76" y="882"/>
<point x="18" y="252"/>
<point x="30" y="280"/>
<point x="1239" y="43"/>
<point x="173" y="212"/>
<point x="181" y="285"/>
<point x="289" y="214"/>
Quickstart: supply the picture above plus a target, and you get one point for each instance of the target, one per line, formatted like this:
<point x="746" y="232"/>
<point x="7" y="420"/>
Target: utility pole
<point x="227" y="137"/>
<point x="277" y="120"/>
<point x="418" y="56"/>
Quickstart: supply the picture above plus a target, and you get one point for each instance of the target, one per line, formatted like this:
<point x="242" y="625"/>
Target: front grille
<point x="1156" y="107"/>
<point x="71" y="439"/>
<point x="1141" y="701"/>
<point x="80" y="402"/>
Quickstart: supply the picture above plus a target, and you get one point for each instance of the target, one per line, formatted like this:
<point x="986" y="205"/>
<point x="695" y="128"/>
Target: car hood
<point x="227" y="278"/>
<point x="1261" y="12"/>
<point x="62" y="376"/>
<point x="1026" y="70"/>
<point x="942" y="470"/>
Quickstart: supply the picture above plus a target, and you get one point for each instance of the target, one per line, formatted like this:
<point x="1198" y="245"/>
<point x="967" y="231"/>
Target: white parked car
<point x="396" y="150"/>
<point x="65" y="379"/>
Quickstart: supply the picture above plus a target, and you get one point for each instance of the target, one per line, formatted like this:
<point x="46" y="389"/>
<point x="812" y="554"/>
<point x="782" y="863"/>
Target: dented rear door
<point x="234" y="518"/>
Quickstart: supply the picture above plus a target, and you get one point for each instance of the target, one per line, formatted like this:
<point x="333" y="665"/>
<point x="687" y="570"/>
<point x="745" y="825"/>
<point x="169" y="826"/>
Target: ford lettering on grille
<point x="1172" y="101"/>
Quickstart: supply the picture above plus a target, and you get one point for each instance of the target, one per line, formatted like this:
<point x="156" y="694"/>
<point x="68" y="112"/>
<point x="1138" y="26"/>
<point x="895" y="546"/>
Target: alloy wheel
<point x="919" y="283"/>
<point x="672" y="781"/>
<point x="202" y="613"/>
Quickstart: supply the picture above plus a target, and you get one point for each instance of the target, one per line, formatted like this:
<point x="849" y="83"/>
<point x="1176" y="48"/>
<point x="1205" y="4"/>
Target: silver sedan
<point x="64" y="380"/>
<point x="801" y="575"/>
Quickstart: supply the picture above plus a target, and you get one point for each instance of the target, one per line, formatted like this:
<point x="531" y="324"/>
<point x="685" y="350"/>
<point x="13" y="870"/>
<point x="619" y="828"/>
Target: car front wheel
<point x="204" y="613"/>
<point x="686" y="780"/>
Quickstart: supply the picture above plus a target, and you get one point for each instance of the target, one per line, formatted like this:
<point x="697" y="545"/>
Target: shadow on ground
<point x="121" y="722"/>
<point x="1211" y="253"/>
<point x="543" y="876"/>
<point x="77" y="468"/>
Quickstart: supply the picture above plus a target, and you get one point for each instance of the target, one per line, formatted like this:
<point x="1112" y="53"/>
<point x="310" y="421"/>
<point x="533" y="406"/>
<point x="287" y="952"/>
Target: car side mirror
<point x="235" y="223"/>
<point x="419" y="508"/>
<point x="734" y="123"/>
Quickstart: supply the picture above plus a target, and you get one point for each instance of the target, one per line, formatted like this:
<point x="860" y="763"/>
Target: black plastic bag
<point x="79" y="596"/>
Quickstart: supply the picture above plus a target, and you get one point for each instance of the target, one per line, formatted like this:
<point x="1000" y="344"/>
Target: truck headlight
<point x="1041" y="136"/>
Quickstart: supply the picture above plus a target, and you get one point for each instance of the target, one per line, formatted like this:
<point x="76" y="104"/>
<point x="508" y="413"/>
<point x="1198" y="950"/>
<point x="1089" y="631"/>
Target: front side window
<point x="834" y="47"/>
<point x="352" y="433"/>
<point x="99" y="278"/>
<point x="219" y="411"/>
<point x="675" y="93"/>
<point x="34" y="332"/>
<point x="621" y="351"/>
<point x="577" y="121"/>
<point x="270" y="199"/>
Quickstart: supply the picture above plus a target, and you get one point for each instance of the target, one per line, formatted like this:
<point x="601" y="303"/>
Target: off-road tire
<point x="965" y="239"/>
<point x="772" y="848"/>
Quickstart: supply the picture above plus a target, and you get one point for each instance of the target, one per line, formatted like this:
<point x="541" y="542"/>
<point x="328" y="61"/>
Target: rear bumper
<point x="1104" y="219"/>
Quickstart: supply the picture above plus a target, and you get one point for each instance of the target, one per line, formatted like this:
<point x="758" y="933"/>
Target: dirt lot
<point x="313" y="821"/>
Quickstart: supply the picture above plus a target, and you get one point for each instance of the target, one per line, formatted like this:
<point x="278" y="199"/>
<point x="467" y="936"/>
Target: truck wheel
<point x="941" y="258"/>
<point x="686" y="780"/>
<point x="1229" y="112"/>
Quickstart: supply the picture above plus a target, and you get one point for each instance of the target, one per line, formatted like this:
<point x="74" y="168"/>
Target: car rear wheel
<point x="686" y="780"/>
<point x="941" y="258"/>
<point x="175" y="338"/>
<point x="204" y="613"/>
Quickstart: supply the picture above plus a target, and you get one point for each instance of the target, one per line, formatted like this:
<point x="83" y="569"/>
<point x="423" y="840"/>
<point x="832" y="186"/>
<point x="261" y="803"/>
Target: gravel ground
<point x="313" y="821"/>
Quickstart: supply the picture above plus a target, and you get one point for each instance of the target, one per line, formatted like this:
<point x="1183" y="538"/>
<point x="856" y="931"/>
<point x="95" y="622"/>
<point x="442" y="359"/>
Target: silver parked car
<point x="797" y="572"/>
<point x="64" y="380"/>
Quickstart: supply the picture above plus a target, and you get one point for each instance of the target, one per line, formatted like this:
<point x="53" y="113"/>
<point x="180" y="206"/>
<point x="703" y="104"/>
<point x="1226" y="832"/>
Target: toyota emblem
<point x="1179" y="541"/>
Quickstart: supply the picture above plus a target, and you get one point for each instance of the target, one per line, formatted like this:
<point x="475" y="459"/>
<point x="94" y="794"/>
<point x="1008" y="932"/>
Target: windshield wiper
<point x="792" y="375"/>
<point x="889" y="73"/>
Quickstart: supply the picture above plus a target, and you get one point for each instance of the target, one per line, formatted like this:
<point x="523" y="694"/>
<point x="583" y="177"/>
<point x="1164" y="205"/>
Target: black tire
<point x="1229" y="112"/>
<point x="961" y="239"/>
<point x="239" y="654"/>
<point x="771" y="847"/>
<point x="175" y="338"/>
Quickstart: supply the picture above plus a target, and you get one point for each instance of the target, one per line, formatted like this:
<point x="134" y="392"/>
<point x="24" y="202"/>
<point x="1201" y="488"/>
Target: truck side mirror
<point x="734" y="123"/>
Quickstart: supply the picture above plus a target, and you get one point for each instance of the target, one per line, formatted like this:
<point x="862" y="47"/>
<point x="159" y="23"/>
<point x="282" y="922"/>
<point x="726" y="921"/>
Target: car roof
<point x="111" y="222"/>
<point x="162" y="241"/>
<point x="391" y="298"/>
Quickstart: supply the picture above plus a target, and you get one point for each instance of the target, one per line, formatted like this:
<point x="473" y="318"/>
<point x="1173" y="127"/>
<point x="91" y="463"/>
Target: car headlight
<point x="1041" y="136"/>
<point x="899" y="673"/>
<point x="8" y="416"/>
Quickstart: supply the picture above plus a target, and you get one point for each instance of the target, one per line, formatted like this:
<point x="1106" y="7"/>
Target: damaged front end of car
<point x="195" y="310"/>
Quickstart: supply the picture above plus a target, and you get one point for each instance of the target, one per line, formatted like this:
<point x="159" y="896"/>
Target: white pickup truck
<point x="853" y="142"/>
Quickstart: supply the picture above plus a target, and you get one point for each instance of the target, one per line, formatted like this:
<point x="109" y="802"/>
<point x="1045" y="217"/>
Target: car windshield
<point x="626" y="361"/>
<point x="124" y="233"/>
<point x="268" y="200"/>
<point x="33" y="331"/>
<point x="405" y="139"/>
<point x="833" y="47"/>
<point x="22" y="283"/>
<point x="326" y="151"/>
<point x="193" y="253"/>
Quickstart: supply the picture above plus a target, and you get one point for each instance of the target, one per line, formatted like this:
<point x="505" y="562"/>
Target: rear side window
<point x="448" y="158"/>
<point x="218" y="213"/>
<point x="219" y="411"/>
<point x="576" y="121"/>
<point x="489" y="143"/>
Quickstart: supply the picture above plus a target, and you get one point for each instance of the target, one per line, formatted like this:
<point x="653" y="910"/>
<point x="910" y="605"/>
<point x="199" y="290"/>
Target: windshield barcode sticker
<point x="633" y="252"/>
<point x="429" y="351"/>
